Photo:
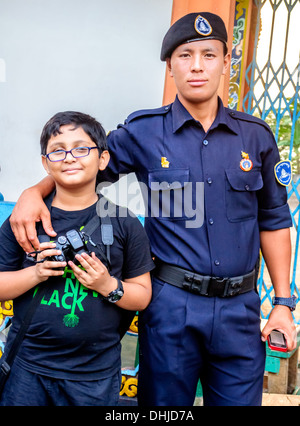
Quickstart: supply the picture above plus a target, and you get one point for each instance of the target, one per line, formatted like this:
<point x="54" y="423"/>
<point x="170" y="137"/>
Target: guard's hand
<point x="281" y="319"/>
<point x="30" y="209"/>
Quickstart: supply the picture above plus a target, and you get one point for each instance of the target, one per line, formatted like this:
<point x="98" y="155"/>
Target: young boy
<point x="71" y="352"/>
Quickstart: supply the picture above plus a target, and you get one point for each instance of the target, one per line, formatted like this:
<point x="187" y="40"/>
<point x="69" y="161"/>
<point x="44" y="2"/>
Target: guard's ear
<point x="169" y="67"/>
<point x="227" y="62"/>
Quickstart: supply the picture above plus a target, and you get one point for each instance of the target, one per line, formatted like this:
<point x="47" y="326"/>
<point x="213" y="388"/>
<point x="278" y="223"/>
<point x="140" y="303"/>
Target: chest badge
<point x="283" y="172"/>
<point x="165" y="163"/>
<point x="246" y="164"/>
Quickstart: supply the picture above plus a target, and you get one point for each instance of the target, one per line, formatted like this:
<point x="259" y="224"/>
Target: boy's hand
<point x="95" y="276"/>
<point x="48" y="268"/>
<point x="30" y="209"/>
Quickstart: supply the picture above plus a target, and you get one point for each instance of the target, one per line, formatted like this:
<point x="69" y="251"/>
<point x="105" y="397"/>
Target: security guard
<point x="213" y="199"/>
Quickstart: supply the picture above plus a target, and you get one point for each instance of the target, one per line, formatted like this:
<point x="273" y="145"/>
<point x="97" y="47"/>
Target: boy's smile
<point x="72" y="170"/>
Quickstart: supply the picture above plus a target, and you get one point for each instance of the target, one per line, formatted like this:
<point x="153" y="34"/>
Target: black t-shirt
<point x="75" y="334"/>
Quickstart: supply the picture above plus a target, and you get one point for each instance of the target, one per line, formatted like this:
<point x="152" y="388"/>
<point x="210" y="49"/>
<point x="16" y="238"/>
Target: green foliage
<point x="287" y="134"/>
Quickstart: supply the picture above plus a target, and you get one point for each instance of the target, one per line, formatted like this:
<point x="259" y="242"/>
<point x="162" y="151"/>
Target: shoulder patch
<point x="148" y="113"/>
<point x="283" y="172"/>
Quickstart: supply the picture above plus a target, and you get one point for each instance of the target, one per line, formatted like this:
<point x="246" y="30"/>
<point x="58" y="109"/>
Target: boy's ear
<point x="45" y="164"/>
<point x="104" y="160"/>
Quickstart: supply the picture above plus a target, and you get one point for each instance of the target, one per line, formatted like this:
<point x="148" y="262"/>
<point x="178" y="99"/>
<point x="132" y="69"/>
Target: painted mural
<point x="238" y="51"/>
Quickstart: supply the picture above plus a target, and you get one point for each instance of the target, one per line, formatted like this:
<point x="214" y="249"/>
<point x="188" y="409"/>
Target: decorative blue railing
<point x="273" y="78"/>
<point x="6" y="208"/>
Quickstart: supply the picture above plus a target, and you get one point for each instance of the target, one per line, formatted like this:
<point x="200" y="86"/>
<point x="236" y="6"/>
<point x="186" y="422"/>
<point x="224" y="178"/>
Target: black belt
<point x="205" y="285"/>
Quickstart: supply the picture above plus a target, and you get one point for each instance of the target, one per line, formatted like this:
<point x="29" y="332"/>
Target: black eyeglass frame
<point x="70" y="151"/>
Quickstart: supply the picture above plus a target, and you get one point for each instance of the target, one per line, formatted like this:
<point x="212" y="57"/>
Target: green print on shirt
<point x="74" y="295"/>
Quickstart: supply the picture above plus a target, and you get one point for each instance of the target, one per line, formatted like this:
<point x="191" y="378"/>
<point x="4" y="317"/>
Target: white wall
<point x="100" y="57"/>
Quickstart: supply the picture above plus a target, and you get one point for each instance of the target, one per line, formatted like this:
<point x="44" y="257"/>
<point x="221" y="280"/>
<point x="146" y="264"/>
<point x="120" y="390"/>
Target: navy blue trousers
<point x="24" y="388"/>
<point x="186" y="337"/>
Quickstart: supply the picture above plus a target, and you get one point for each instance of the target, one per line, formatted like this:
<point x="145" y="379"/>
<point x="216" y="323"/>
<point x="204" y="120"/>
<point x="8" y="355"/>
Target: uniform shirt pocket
<point x="241" y="199"/>
<point x="167" y="192"/>
<point x="162" y="180"/>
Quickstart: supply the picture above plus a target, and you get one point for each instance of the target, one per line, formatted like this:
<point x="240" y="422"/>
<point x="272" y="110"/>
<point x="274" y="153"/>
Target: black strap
<point x="107" y="234"/>
<point x="10" y="357"/>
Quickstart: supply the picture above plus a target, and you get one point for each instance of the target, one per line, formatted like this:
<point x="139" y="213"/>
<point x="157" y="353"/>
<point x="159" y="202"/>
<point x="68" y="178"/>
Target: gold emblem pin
<point x="164" y="162"/>
<point x="246" y="164"/>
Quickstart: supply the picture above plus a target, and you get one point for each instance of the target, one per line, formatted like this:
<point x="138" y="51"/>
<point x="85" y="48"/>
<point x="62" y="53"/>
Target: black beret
<point x="193" y="27"/>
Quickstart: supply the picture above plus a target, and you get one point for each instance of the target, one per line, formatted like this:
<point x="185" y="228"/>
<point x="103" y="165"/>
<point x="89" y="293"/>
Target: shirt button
<point x="209" y="181"/>
<point x="247" y="187"/>
<point x="217" y="262"/>
<point x="211" y="221"/>
<point x="205" y="142"/>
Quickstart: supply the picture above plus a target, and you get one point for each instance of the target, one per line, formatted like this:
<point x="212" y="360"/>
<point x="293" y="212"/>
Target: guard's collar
<point x="182" y="116"/>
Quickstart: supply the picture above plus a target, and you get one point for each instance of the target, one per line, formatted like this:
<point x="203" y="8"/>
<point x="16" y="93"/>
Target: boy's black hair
<point x="78" y="119"/>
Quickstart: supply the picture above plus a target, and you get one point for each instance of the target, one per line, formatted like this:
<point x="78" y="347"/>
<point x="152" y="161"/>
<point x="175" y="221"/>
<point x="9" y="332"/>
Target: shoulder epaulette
<point x="238" y="115"/>
<point x="147" y="113"/>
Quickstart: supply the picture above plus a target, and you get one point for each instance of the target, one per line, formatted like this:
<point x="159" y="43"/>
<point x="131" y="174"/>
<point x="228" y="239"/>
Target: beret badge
<point x="202" y="26"/>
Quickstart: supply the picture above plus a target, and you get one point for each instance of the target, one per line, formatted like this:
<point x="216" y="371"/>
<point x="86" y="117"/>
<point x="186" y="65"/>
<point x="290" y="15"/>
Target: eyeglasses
<point x="81" y="151"/>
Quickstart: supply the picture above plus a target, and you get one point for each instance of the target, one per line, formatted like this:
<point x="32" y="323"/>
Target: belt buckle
<point x="188" y="281"/>
<point x="196" y="285"/>
<point x="233" y="286"/>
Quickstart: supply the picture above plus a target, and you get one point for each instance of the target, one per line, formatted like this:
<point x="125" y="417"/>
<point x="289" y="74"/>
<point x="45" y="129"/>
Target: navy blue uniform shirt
<point x="216" y="210"/>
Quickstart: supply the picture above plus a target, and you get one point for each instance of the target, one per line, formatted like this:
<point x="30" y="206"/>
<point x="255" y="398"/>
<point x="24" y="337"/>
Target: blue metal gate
<point x="273" y="78"/>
